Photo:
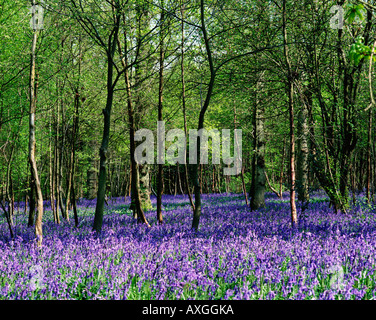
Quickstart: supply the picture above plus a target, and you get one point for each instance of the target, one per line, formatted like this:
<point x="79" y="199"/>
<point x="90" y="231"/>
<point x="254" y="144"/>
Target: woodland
<point x="80" y="78"/>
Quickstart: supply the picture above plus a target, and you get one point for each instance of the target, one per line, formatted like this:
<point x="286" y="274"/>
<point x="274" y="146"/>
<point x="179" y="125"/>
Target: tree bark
<point x="138" y="212"/>
<point x="32" y="141"/>
<point x="369" y="146"/>
<point x="282" y="168"/>
<point x="99" y="209"/>
<point x="160" y="116"/>
<point x="290" y="92"/>
<point x="302" y="163"/>
<point x="196" y="184"/>
<point x="184" y="105"/>
<point x="258" y="176"/>
<point x="51" y="175"/>
<point x="73" y="154"/>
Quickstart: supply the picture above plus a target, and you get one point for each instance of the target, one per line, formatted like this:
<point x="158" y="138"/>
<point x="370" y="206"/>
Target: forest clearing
<point x="235" y="255"/>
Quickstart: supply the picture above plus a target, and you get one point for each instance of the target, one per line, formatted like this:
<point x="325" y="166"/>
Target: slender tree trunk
<point x="32" y="141"/>
<point x="184" y="105"/>
<point x="244" y="189"/>
<point x="227" y="182"/>
<point x="138" y="212"/>
<point x="98" y="220"/>
<point x="74" y="136"/>
<point x="176" y="182"/>
<point x="372" y="104"/>
<point x="73" y="154"/>
<point x="144" y="188"/>
<point x="60" y="148"/>
<point x="302" y="181"/>
<point x="130" y="182"/>
<point x="69" y="182"/>
<point x="258" y="178"/>
<point x="140" y="102"/>
<point x="74" y="203"/>
<point x="169" y="180"/>
<point x="56" y="182"/>
<point x="11" y="191"/>
<point x="369" y="146"/>
<point x="51" y="175"/>
<point x="353" y="184"/>
<point x="103" y="152"/>
<point x="196" y="184"/>
<point x="9" y="186"/>
<point x="179" y="179"/>
<point x="290" y="91"/>
<point x="62" y="202"/>
<point x="57" y="165"/>
<point x="7" y="217"/>
<point x="201" y="180"/>
<point x="7" y="191"/>
<point x="31" y="201"/>
<point x="160" y="118"/>
<point x="282" y="168"/>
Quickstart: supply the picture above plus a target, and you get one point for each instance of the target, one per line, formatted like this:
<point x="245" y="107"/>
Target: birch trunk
<point x="32" y="141"/>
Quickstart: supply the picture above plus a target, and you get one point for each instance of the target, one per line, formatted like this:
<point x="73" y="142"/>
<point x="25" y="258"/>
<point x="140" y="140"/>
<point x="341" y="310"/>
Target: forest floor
<point x="236" y="254"/>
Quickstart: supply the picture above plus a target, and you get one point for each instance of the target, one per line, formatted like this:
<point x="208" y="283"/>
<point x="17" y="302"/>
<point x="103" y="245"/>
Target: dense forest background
<point x="79" y="78"/>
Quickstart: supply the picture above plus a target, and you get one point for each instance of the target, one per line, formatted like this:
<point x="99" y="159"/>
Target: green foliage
<point x="355" y="13"/>
<point x="358" y="51"/>
<point x="68" y="58"/>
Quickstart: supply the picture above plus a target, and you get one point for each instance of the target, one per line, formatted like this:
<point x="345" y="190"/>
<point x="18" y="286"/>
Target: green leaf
<point x="350" y="16"/>
<point x="355" y="11"/>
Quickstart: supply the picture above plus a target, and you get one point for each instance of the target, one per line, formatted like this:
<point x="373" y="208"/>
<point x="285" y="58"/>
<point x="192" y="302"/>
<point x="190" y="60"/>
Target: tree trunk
<point x="303" y="134"/>
<point x="282" y="168"/>
<point x="175" y="183"/>
<point x="184" y="106"/>
<point x="99" y="209"/>
<point x="290" y="92"/>
<point x="258" y="177"/>
<point x="244" y="189"/>
<point x="160" y="118"/>
<point x="369" y="146"/>
<point x="58" y="157"/>
<point x="144" y="188"/>
<point x="7" y="217"/>
<point x="196" y="184"/>
<point x="70" y="177"/>
<point x="31" y="199"/>
<point x="51" y="175"/>
<point x="179" y="179"/>
<point x="32" y="141"/>
<point x="138" y="212"/>
<point x="9" y="196"/>
<point x="73" y="153"/>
